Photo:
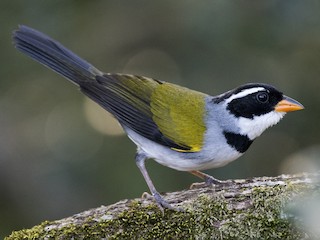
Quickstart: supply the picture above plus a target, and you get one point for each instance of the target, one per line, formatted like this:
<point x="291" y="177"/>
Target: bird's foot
<point x="209" y="181"/>
<point x="161" y="203"/>
<point x="212" y="182"/>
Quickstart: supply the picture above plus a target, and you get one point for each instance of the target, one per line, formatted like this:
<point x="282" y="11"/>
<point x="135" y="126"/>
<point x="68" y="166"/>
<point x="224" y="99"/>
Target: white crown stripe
<point x="245" y="92"/>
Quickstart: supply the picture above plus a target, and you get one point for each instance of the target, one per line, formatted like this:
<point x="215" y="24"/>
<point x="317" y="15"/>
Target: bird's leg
<point x="209" y="180"/>
<point x="140" y="161"/>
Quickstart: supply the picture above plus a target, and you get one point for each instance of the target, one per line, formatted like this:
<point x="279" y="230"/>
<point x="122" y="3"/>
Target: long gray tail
<point x="52" y="54"/>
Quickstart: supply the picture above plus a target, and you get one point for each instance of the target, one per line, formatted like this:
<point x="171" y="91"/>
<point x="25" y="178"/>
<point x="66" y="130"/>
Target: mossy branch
<point x="243" y="209"/>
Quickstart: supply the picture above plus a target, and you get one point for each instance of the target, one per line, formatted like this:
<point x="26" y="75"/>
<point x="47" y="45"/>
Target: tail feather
<point x="54" y="55"/>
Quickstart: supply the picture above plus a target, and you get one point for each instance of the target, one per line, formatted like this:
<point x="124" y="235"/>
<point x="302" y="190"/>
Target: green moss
<point x="33" y="233"/>
<point x="259" y="217"/>
<point x="150" y="223"/>
<point x="260" y="220"/>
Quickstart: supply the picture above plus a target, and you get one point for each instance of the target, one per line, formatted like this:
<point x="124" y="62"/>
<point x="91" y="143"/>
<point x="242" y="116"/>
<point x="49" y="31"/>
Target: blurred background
<point x="60" y="154"/>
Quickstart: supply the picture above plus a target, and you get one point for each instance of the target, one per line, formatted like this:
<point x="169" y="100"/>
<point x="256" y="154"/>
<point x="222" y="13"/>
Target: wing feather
<point x="162" y="112"/>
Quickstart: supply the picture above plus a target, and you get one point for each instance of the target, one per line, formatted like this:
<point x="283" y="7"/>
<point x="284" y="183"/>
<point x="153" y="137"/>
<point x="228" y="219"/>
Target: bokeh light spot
<point x="306" y="160"/>
<point x="153" y="63"/>
<point x="100" y="119"/>
<point x="68" y="135"/>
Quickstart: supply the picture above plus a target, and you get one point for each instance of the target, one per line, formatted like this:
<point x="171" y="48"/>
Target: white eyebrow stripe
<point x="245" y="93"/>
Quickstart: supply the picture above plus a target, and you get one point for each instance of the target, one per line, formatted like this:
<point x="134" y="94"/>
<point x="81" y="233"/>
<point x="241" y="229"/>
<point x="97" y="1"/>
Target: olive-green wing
<point x="162" y="112"/>
<point x="179" y="113"/>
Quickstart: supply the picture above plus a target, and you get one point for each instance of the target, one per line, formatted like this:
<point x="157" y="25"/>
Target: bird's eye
<point x="262" y="97"/>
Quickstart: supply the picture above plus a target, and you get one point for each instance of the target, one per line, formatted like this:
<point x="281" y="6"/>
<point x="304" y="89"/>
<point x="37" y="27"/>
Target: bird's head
<point x="257" y="107"/>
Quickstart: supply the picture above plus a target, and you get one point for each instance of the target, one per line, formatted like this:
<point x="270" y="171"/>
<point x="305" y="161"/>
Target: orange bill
<point x="288" y="104"/>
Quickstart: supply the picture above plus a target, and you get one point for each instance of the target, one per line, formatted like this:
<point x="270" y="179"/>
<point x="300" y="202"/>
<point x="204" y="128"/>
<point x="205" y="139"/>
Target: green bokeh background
<point x="53" y="163"/>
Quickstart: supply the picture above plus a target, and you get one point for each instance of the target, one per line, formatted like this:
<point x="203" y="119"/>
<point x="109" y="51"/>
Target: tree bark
<point x="258" y="208"/>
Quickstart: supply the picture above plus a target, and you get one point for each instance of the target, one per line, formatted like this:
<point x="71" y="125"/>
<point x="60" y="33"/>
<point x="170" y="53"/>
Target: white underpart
<point x="245" y="92"/>
<point x="254" y="127"/>
<point x="212" y="154"/>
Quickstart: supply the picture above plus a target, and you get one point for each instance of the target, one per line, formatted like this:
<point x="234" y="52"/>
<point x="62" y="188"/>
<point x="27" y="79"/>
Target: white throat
<point x="255" y="127"/>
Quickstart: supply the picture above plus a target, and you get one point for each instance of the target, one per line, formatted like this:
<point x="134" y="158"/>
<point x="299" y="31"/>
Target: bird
<point x="180" y="128"/>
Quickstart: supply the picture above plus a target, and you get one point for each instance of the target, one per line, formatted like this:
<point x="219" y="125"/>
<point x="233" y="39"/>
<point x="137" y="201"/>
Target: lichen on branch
<point x="243" y="209"/>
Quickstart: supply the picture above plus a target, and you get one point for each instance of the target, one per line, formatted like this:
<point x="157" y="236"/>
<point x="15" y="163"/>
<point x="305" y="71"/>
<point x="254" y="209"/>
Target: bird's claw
<point x="163" y="204"/>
